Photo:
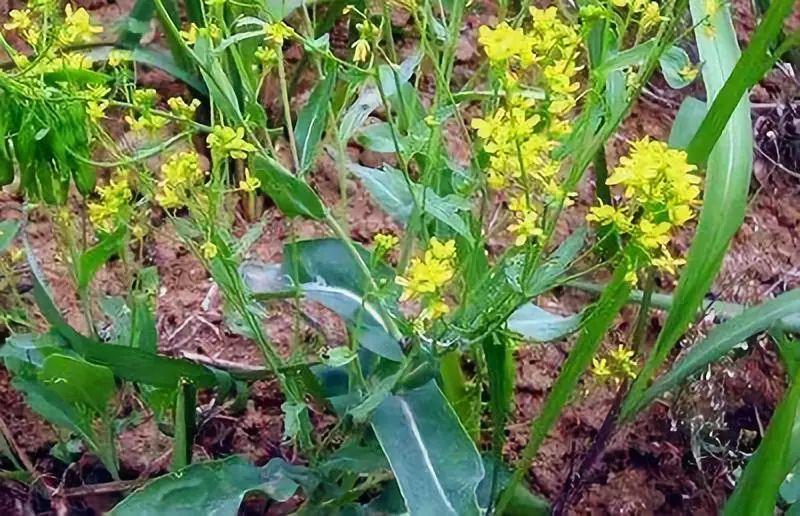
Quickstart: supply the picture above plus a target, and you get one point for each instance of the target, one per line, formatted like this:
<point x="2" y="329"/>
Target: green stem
<point x="287" y="110"/>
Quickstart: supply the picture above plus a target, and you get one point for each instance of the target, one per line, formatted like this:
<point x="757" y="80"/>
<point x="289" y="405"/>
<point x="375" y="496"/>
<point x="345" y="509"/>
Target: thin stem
<point x="287" y="111"/>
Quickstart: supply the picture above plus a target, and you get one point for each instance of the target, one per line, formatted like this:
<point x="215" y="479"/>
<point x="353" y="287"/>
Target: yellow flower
<point x="96" y="110"/>
<point x="384" y="242"/>
<point x="20" y="20"/>
<point x="146" y="122"/>
<point x="180" y="108"/>
<point x="250" y="183"/>
<point x="276" y="33"/>
<point x="433" y="310"/>
<point x="179" y="174"/>
<point x="226" y="141"/>
<point x="651" y="16"/>
<point x="267" y="56"/>
<point x="361" y="53"/>
<point x="77" y="27"/>
<point x="689" y="72"/>
<point x="145" y="97"/>
<point x="617" y="366"/>
<point x="117" y="57"/>
<point x="651" y="235"/>
<point x="504" y="43"/>
<point x="426" y="276"/>
<point x="209" y="250"/>
<point x="526" y="227"/>
<point x="113" y="205"/>
<point x="189" y="36"/>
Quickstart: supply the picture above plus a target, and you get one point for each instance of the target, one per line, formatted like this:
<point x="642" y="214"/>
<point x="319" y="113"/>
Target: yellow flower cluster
<point x="227" y="141"/>
<point x="180" y="174"/>
<point x="77" y="27"/>
<point x="617" y="366"/>
<point x="521" y="134"/>
<point x="181" y="109"/>
<point x="661" y="193"/>
<point x="113" y="206"/>
<point x="426" y="278"/>
<point x="147" y="121"/>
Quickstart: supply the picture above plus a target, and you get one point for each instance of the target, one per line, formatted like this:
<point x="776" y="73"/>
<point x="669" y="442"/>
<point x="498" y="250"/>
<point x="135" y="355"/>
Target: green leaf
<point x="76" y="76"/>
<point x="95" y="257"/>
<point x="362" y="317"/>
<point x="724" y="200"/>
<point x="312" y="120"/>
<point x="8" y="231"/>
<point x="397" y="197"/>
<point x="539" y="325"/>
<point x="61" y="413"/>
<point x="673" y="62"/>
<point x="686" y="123"/>
<point x="523" y="502"/>
<point x="213" y="488"/>
<point x="721" y="340"/>
<point x="790" y="487"/>
<point x="280" y="9"/>
<point x="756" y="61"/>
<point x="78" y="382"/>
<point x="378" y="137"/>
<point x="164" y="61"/>
<point x="432" y="457"/>
<point x="185" y="425"/>
<point x="290" y="194"/>
<point x="127" y="363"/>
<point x="501" y="371"/>
<point x="756" y="490"/>
<point x="219" y="85"/>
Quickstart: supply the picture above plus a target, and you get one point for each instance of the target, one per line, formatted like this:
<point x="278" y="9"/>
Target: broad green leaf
<point x="756" y="490"/>
<point x="790" y="487"/>
<point x="356" y="458"/>
<point x="95" y="257"/>
<point x="78" y="382"/>
<point x="369" y="97"/>
<point x="290" y="194"/>
<point x="674" y="66"/>
<point x="523" y="502"/>
<point x="328" y="259"/>
<point x="219" y="86"/>
<point x="127" y="363"/>
<point x="8" y="231"/>
<point x="539" y="325"/>
<point x="686" y="123"/>
<point x="726" y="185"/>
<point x="62" y="413"/>
<point x="432" y="457"/>
<point x="377" y="137"/>
<point x="280" y="9"/>
<point x="397" y="197"/>
<point x="213" y="488"/>
<point x="164" y="61"/>
<point x="362" y="317"/>
<point x="312" y="120"/>
<point x="721" y="340"/>
<point x="29" y="349"/>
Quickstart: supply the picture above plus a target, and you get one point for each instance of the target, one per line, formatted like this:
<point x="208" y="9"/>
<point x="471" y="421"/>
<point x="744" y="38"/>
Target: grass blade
<point x="185" y="425"/>
<point x="722" y="340"/>
<point x="755" y="62"/>
<point x="757" y="489"/>
<point x="725" y="198"/>
<point x="595" y="326"/>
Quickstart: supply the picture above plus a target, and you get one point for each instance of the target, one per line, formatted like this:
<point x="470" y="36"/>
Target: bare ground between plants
<point x="675" y="459"/>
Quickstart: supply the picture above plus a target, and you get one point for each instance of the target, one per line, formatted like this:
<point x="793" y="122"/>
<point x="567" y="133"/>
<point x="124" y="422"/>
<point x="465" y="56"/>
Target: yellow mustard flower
<point x="250" y="183"/>
<point x="179" y="175"/>
<point x="96" y="109"/>
<point x="180" y="108"/>
<point x="113" y="205"/>
<point x="209" y="250"/>
<point x="77" y="26"/>
<point x="361" y="51"/>
<point x="277" y="33"/>
<point x="227" y="141"/>
<point x="116" y="57"/>
<point x="20" y="20"/>
<point x="384" y="242"/>
<point x="189" y="36"/>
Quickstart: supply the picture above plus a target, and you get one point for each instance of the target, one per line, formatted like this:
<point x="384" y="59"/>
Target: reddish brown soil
<point x="677" y="458"/>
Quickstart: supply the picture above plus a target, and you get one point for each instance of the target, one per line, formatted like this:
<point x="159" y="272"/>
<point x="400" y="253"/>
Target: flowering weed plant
<point x="421" y="391"/>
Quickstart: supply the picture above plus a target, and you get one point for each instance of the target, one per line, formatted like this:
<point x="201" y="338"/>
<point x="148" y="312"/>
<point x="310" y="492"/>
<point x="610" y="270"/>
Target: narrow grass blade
<point x="595" y="326"/>
<point x="721" y="341"/>
<point x="756" y="491"/>
<point x="725" y="198"/>
<point x="755" y="62"/>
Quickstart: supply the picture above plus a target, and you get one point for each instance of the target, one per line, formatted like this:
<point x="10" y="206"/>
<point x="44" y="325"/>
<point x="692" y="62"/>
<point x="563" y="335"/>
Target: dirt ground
<point x="679" y="457"/>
